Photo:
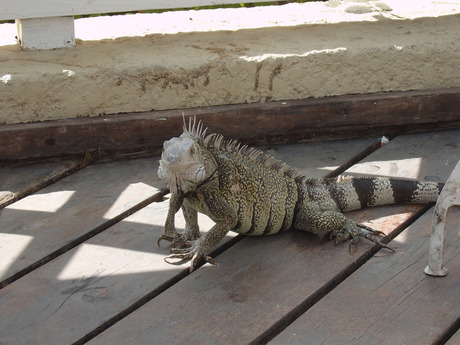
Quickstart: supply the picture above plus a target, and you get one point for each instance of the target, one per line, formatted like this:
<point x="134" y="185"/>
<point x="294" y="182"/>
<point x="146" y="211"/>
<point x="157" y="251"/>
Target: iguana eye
<point x="192" y="150"/>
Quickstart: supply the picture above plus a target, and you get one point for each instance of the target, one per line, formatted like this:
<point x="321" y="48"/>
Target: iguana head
<point x="185" y="162"/>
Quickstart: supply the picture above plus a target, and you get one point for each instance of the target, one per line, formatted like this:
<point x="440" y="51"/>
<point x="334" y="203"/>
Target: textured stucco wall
<point x="372" y="47"/>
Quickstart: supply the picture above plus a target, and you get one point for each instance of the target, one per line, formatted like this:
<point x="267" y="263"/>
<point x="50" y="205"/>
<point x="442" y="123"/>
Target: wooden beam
<point x="307" y="119"/>
<point x="18" y="181"/>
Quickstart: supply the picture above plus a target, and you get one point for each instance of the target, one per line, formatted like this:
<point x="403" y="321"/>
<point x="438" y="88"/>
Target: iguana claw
<point x="355" y="231"/>
<point x="184" y="254"/>
<point x="165" y="238"/>
<point x="375" y="233"/>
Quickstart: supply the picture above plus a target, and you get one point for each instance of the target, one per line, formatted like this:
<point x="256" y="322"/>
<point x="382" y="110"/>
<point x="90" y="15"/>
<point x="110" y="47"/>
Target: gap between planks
<point x="154" y="293"/>
<point x="304" y="306"/>
<point x="25" y="188"/>
<point x="357" y="158"/>
<point x="50" y="171"/>
<point x="60" y="231"/>
<point x="454" y="337"/>
<point x="97" y="230"/>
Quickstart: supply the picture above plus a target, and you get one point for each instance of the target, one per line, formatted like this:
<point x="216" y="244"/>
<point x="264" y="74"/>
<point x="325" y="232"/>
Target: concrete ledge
<point x="384" y="47"/>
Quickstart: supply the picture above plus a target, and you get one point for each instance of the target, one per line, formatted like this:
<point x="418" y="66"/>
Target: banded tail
<point x="352" y="193"/>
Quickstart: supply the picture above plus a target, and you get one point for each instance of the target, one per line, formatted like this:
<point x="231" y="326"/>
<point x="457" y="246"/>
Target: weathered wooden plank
<point x="17" y="182"/>
<point x="419" y="158"/>
<point x="260" y="283"/>
<point x="332" y="117"/>
<point x="389" y="300"/>
<point x="42" y="225"/>
<point x="317" y="160"/>
<point x="90" y="284"/>
<point x="125" y="268"/>
<point x="455" y="339"/>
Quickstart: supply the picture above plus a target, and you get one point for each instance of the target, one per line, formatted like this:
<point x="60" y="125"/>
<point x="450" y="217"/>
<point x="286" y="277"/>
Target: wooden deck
<point x="79" y="261"/>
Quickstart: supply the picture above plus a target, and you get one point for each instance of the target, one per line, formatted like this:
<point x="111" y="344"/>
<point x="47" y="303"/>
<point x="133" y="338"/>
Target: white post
<point x="450" y="196"/>
<point x="46" y="33"/>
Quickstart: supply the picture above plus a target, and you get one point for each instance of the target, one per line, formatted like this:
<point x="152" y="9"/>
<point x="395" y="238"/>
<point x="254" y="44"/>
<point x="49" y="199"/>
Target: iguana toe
<point x="186" y="254"/>
<point x="181" y="243"/>
<point x="165" y="238"/>
<point x="177" y="241"/>
<point x="196" y="261"/>
<point x="353" y="231"/>
<point x="370" y="230"/>
<point x="184" y="241"/>
<point x="182" y="255"/>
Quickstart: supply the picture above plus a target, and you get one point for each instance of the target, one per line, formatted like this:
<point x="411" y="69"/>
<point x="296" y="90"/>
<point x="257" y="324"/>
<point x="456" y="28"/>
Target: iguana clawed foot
<point x="185" y="239"/>
<point x="353" y="231"/>
<point x="186" y="247"/>
<point x="177" y="242"/>
<point x="191" y="250"/>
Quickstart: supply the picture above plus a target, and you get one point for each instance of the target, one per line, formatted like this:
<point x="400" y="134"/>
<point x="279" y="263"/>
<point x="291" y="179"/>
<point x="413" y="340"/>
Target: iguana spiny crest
<point x="187" y="158"/>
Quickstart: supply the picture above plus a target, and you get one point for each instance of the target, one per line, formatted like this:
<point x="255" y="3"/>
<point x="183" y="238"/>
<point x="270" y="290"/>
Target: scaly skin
<point x="244" y="190"/>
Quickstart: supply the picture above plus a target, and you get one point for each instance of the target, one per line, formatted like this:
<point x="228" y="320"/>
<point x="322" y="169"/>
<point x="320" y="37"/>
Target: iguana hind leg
<point x="311" y="218"/>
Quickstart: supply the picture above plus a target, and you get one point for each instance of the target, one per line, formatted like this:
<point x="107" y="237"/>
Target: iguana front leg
<point x="226" y="219"/>
<point x="202" y="246"/>
<point x="170" y="233"/>
<point x="192" y="229"/>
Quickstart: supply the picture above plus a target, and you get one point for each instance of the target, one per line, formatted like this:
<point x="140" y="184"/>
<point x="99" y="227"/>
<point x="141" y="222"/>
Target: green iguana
<point x="247" y="191"/>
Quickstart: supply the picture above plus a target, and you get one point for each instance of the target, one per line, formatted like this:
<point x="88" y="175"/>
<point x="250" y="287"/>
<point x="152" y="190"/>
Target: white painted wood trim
<point x="45" y="24"/>
<point x="21" y="9"/>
